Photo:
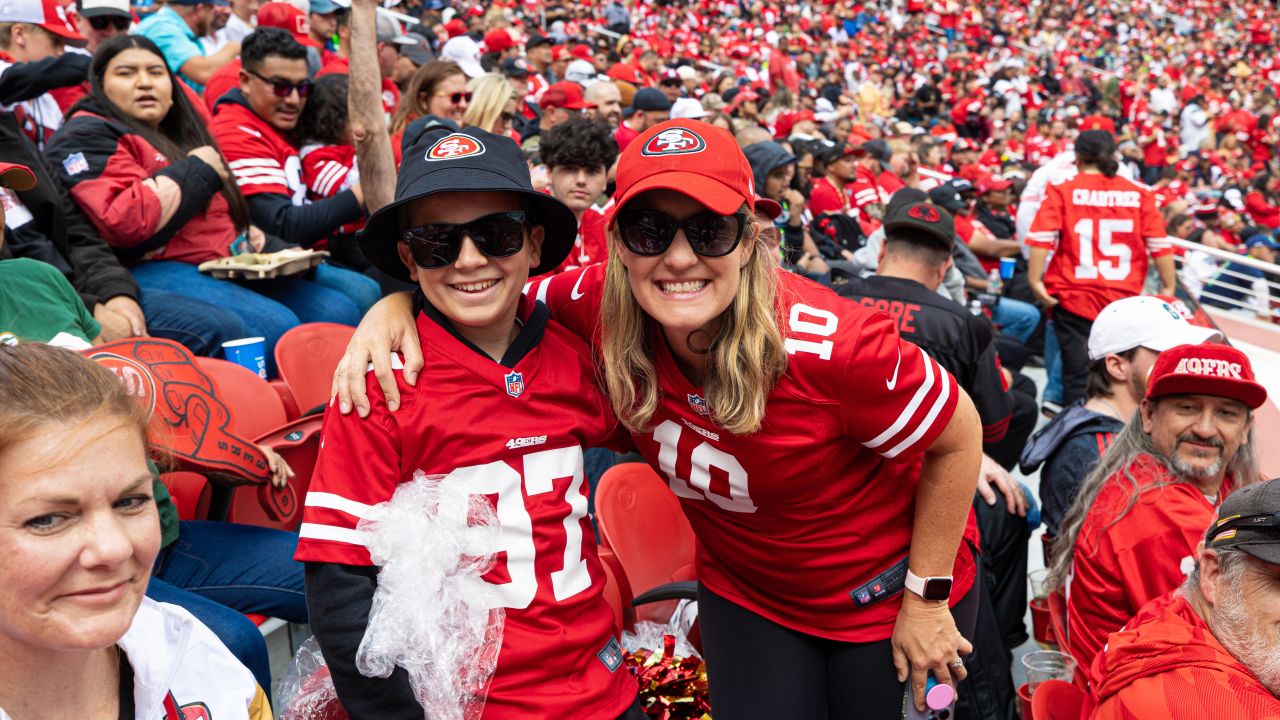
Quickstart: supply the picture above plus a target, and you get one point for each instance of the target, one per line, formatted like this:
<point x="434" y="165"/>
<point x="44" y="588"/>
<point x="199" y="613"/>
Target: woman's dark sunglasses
<point x="283" y="88"/>
<point x="649" y="232"/>
<point x="101" y="22"/>
<point x="437" y="245"/>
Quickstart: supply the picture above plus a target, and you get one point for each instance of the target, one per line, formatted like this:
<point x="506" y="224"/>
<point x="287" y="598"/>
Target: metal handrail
<point x="1226" y="255"/>
<point x="1222" y="257"/>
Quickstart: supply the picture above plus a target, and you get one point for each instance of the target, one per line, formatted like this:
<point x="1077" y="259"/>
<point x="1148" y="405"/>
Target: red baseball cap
<point x="497" y="41"/>
<point x="771" y="209"/>
<point x="16" y="177"/>
<point x="1097" y="122"/>
<point x="691" y="157"/>
<point x="47" y="14"/>
<point x="583" y="52"/>
<point x="993" y="182"/>
<point x="564" y="94"/>
<point x="455" y="27"/>
<point x="287" y="17"/>
<point x="1210" y="369"/>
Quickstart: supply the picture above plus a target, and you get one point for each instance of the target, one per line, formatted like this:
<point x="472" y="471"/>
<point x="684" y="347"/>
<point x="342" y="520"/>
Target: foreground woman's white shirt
<point x="182" y="671"/>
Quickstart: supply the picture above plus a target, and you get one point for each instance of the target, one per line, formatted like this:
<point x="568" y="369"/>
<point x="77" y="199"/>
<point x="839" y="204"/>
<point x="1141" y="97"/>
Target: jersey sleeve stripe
<point x="929" y="419"/>
<point x="336" y="502"/>
<point x="316" y="531"/>
<point x="911" y="408"/>
<point x="263" y="173"/>
<point x="328" y="176"/>
<point x="253" y="162"/>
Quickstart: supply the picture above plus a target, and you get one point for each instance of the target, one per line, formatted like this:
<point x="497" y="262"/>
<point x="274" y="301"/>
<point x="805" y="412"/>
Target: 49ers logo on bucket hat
<point x="675" y="141"/>
<point x="452" y="147"/>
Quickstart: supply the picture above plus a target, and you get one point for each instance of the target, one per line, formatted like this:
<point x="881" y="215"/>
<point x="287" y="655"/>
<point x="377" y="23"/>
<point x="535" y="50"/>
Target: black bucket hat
<point x="445" y="160"/>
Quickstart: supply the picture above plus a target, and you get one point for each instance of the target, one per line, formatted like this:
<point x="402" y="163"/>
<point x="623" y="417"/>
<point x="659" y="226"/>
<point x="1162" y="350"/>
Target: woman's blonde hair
<point x="489" y="96"/>
<point x="744" y="360"/>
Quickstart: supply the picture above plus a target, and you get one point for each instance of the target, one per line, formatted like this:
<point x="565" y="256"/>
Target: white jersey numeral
<point x="703" y="458"/>
<point x="1115" y="259"/>
<point x="541" y="470"/>
<point x="811" y="321"/>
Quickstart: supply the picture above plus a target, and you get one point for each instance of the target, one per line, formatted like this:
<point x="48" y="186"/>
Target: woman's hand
<point x="212" y="158"/>
<point x="280" y="470"/>
<point x="387" y="327"/>
<point x="925" y="640"/>
<point x="1042" y="295"/>
<point x="257" y="238"/>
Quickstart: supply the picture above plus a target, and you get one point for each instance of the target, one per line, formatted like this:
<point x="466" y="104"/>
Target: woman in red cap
<point x="806" y="441"/>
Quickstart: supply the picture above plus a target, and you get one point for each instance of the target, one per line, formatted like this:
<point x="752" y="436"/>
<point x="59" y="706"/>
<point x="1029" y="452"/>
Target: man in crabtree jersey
<point x="507" y="403"/>
<point x="254" y="126"/>
<point x="1101" y="229"/>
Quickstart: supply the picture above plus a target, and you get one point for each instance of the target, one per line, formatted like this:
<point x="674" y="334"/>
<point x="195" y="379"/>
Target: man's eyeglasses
<point x="457" y="98"/>
<point x="101" y="22"/>
<point x="283" y="88"/>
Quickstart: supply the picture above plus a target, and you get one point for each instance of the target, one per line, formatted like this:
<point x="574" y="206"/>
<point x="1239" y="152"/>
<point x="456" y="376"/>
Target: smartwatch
<point x="929" y="588"/>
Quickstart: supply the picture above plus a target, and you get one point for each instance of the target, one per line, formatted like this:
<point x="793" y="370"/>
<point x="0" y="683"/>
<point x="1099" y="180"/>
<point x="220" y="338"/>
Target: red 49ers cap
<point x="1218" y="370"/>
<point x="691" y="157"/>
<point x="287" y="17"/>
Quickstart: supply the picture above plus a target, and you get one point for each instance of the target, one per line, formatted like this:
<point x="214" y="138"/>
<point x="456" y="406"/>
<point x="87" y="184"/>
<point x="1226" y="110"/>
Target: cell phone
<point x="939" y="702"/>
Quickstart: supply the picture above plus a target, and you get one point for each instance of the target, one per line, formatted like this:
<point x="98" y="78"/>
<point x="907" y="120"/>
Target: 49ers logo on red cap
<point x="927" y="213"/>
<point x="452" y="147"/>
<point x="674" y="141"/>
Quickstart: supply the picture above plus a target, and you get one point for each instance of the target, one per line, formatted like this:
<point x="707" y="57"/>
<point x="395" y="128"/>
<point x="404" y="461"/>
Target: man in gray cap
<point x="1211" y="646"/>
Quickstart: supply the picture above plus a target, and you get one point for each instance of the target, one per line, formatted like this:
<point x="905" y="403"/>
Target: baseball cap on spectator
<point x="324" y="7"/>
<point x="559" y="52"/>
<point x="389" y="31"/>
<point x="1249" y="520"/>
<point x="920" y="219"/>
<point x="878" y="149"/>
<point x="962" y="145"/>
<point x="581" y="72"/>
<point x="670" y="77"/>
<point x="535" y="40"/>
<point x="515" y="68"/>
<point x="496" y="41"/>
<point x="1263" y="239"/>
<point x="564" y="94"/>
<point x="649" y="99"/>
<point x="49" y="15"/>
<point x="420" y="52"/>
<point x="16" y="177"/>
<point x="287" y="17"/>
<point x="1206" y="209"/>
<point x="445" y="160"/>
<point x="103" y="8"/>
<point x="686" y="72"/>
<point x="1098" y="122"/>
<point x="947" y="197"/>
<point x="691" y="157"/>
<point x="465" y="52"/>
<point x="993" y="183"/>
<point x="770" y="209"/>
<point x="1143" y="321"/>
<point x="582" y="52"/>
<point x="455" y="28"/>
<point x="687" y="108"/>
<point x="835" y="152"/>
<point x="1218" y="370"/>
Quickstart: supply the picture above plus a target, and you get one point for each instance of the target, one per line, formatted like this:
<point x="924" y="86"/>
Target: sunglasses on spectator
<point x="437" y="245"/>
<point x="649" y="232"/>
<point x="457" y="98"/>
<point x="101" y="22"/>
<point x="283" y="88"/>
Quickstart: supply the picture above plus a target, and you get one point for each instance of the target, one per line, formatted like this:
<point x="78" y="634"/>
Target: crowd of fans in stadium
<point x="1003" y="185"/>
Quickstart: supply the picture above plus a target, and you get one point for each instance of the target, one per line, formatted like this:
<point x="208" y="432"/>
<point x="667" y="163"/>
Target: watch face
<point x="937" y="589"/>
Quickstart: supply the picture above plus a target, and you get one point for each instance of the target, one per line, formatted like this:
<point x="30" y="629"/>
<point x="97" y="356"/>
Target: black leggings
<point x="758" y="669"/>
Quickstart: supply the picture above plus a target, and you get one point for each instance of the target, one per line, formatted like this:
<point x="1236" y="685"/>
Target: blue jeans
<point x="1015" y="317"/>
<point x="195" y="324"/>
<point x="1053" y="389"/>
<point x="268" y="308"/>
<point x="218" y="571"/>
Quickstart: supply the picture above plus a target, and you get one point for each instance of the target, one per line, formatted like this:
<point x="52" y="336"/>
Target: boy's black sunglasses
<point x="649" y="232"/>
<point x="437" y="245"/>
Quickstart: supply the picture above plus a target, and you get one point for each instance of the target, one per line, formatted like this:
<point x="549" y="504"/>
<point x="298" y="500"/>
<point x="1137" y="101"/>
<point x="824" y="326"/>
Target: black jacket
<point x="60" y="234"/>
<point x="1068" y="448"/>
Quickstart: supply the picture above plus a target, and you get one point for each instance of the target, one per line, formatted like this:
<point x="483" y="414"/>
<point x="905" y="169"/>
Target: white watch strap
<point x="916" y="584"/>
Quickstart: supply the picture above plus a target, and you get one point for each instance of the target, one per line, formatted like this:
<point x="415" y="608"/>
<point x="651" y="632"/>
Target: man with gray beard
<point x="1131" y="534"/>
<point x="1210" y="648"/>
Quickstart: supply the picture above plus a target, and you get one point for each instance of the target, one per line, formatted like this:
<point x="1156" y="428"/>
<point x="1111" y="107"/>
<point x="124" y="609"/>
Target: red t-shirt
<point x="1101" y="230"/>
<point x="624" y="135"/>
<point x="792" y="519"/>
<point x="1156" y="150"/>
<point x="827" y="198"/>
<point x="1124" y="559"/>
<point x="521" y="450"/>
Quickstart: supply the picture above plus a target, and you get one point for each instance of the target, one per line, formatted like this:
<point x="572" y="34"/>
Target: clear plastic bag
<point x="306" y="691"/>
<point x="433" y="614"/>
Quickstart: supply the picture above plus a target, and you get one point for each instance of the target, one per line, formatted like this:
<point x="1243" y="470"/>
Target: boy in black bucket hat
<point x="505" y="406"/>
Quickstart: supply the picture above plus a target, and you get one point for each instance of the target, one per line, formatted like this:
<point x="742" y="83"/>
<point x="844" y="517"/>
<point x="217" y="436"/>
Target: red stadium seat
<point x="617" y="592"/>
<point x="643" y="525"/>
<point x="190" y="493"/>
<point x="256" y="409"/>
<point x="1058" y="700"/>
<point x="306" y="356"/>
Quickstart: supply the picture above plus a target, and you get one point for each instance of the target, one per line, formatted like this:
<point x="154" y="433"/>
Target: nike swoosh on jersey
<point x="892" y="382"/>
<point x="574" y="294"/>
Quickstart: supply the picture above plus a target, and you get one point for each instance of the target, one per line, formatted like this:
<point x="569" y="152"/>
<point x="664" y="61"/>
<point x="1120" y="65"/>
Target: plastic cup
<point x="248" y="353"/>
<point x="1039" y="580"/>
<point x="1007" y="266"/>
<point x="1044" y="665"/>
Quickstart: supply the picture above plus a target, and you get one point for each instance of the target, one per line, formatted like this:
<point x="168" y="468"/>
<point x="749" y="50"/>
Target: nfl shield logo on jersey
<point x="697" y="403"/>
<point x="515" y="384"/>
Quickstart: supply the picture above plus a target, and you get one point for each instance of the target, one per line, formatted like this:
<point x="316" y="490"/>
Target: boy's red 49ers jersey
<point x="794" y="519"/>
<point x="1101" y="230"/>
<point x="515" y="435"/>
